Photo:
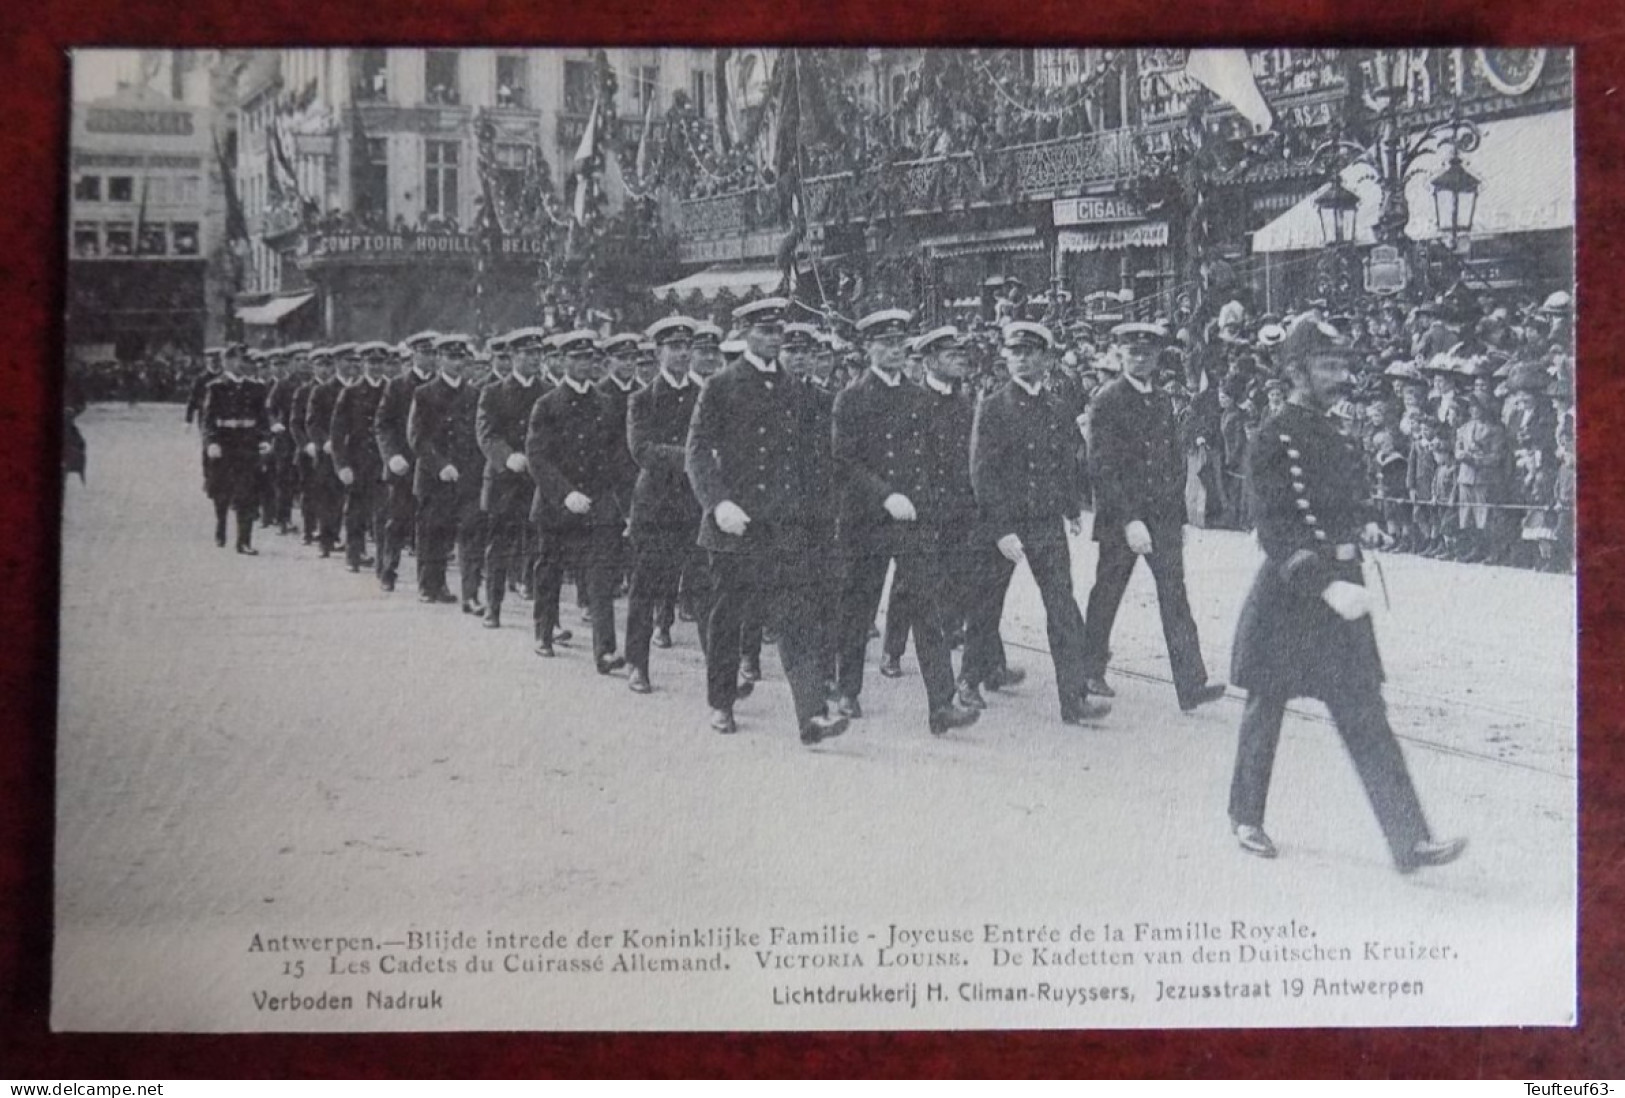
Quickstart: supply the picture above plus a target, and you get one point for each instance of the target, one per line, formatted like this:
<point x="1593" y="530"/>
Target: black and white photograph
<point x="649" y="539"/>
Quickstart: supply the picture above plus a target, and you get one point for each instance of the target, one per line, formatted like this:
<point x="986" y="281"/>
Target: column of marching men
<point x="728" y="480"/>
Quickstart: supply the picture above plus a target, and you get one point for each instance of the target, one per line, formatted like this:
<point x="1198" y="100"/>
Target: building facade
<point x="144" y="221"/>
<point x="366" y="176"/>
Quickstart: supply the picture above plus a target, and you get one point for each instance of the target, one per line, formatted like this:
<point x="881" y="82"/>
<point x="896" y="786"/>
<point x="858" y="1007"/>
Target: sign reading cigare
<point x="1094" y="209"/>
<point x="147" y="123"/>
<point x="383" y="245"/>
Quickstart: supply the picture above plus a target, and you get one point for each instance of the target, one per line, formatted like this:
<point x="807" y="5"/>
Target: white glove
<point x="277" y="428"/>
<point x="517" y="462"/>
<point x="327" y="447"/>
<point x="1010" y="546"/>
<point x="1350" y="600"/>
<point x="1139" y="538"/>
<point x="731" y="518"/>
<point x="310" y="449"/>
<point x="212" y="449"/>
<point x="898" y="507"/>
<point x="347" y="475"/>
<point x="265" y="448"/>
<point x="1074" y="526"/>
<point x="398" y="465"/>
<point x="577" y="504"/>
<point x="448" y="473"/>
<point x="1375" y="537"/>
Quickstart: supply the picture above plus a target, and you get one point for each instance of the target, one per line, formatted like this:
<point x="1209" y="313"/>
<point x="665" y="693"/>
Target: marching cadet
<point x="499" y="355"/>
<point x="620" y="381"/>
<point x="284" y="453"/>
<point x="961" y="556"/>
<point x="389" y="429"/>
<point x="891" y="504"/>
<point x="355" y="455"/>
<point x="440" y="428"/>
<point x="1029" y="497"/>
<point x="1305" y="630"/>
<point x="574" y="444"/>
<point x="665" y="514"/>
<point x="803" y="354"/>
<point x="212" y="366"/>
<point x="500" y="424"/>
<point x="748" y="455"/>
<point x="1138" y="470"/>
<point x="325" y="490"/>
<point x="236" y="434"/>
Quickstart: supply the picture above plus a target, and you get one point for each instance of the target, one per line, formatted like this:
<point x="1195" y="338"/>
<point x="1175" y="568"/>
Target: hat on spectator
<point x="1310" y="337"/>
<point x="1558" y="302"/>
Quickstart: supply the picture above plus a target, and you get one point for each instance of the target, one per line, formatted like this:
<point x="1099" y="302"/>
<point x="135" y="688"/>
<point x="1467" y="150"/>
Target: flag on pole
<point x="1229" y="75"/>
<point x="236" y="223"/>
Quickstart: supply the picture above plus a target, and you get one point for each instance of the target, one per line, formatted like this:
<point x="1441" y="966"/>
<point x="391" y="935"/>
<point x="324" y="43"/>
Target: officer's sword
<point x="1382" y="580"/>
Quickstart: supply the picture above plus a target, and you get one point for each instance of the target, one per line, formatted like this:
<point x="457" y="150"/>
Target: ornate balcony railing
<point x="922" y="186"/>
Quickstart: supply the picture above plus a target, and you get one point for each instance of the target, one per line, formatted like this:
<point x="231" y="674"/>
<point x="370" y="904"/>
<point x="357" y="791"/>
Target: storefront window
<point x="120" y="238"/>
<point x="121" y="188"/>
<point x="512" y="90"/>
<point x="154" y="240"/>
<point x="88" y="188"/>
<point x="185" y="235"/>
<point x="440" y="77"/>
<point x="87" y="240"/>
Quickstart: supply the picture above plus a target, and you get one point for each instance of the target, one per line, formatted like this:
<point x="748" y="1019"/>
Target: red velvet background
<point x="33" y="124"/>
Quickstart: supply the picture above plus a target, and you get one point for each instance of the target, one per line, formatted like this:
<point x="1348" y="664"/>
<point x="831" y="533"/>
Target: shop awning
<point x="272" y="312"/>
<point x="1525" y="169"/>
<point x="1103" y="238"/>
<point x="988" y="242"/>
<point x="713" y="280"/>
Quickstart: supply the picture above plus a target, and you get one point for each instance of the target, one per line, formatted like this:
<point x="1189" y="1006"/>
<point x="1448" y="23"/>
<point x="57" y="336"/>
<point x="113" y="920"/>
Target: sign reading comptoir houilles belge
<point x="382" y="244"/>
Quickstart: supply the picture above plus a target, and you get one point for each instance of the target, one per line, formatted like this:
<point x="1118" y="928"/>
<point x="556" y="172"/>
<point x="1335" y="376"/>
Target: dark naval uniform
<point x="440" y="430"/>
<point x="325" y="489"/>
<point x="354" y="449"/>
<point x="389" y="430"/>
<point x="1028" y="483"/>
<point x="500" y="424"/>
<point x="1138" y="470"/>
<point x="574" y="443"/>
<point x="884" y="445"/>
<point x="665" y="514"/>
<point x="961" y="554"/>
<point x="1313" y="500"/>
<point x="826" y="561"/>
<point x="304" y="464"/>
<point x="284" y="451"/>
<point x="750" y="443"/>
<point x="233" y="418"/>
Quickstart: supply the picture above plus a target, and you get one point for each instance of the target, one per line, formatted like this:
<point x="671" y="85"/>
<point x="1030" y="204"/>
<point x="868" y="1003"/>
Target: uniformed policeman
<point x="891" y="504"/>
<point x="389" y="429"/>
<point x="355" y="455"/>
<point x="236" y="434"/>
<point x="503" y="417"/>
<point x="447" y="477"/>
<point x="665" y="515"/>
<point x="1305" y="630"/>
<point x="573" y="443"/>
<point x="749" y="454"/>
<point x="1029" y="497"/>
<point x="1138" y="470"/>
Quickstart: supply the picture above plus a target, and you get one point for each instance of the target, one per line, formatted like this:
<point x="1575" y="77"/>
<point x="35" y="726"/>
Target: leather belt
<point x="236" y="423"/>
